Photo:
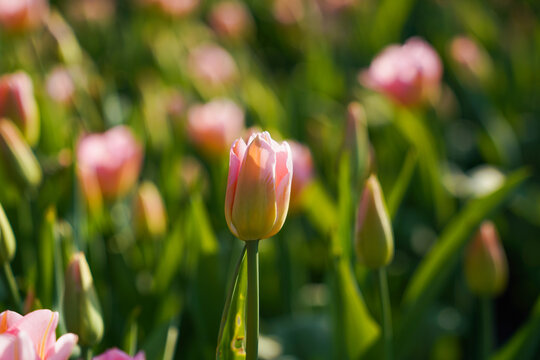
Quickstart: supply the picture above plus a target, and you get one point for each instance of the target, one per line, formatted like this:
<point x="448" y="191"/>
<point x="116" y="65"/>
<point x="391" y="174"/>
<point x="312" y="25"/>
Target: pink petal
<point x="283" y="190"/>
<point x="7" y="319"/>
<point x="40" y="325"/>
<point x="254" y="211"/>
<point x="116" y="354"/>
<point x="63" y="347"/>
<point x="18" y="346"/>
<point x="238" y="150"/>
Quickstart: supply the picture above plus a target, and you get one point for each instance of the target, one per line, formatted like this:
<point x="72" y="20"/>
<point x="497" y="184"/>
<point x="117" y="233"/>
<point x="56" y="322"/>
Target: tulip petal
<point x="40" y="325"/>
<point x="284" y="175"/>
<point x="7" y="319"/>
<point x="254" y="211"/>
<point x="18" y="346"/>
<point x="63" y="347"/>
<point x="238" y="150"/>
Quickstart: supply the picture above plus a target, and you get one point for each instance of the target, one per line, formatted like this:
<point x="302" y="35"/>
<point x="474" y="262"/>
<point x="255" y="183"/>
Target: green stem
<point x="386" y="313"/>
<point x="87" y="353"/>
<point x="252" y="312"/>
<point x="13" y="287"/>
<point x="486" y="314"/>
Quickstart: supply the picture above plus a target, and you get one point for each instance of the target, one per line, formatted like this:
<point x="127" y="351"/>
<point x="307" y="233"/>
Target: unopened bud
<point x="81" y="306"/>
<point x="486" y="269"/>
<point x="18" y="154"/>
<point x="149" y="212"/>
<point x="17" y="103"/>
<point x="374" y="239"/>
<point x="7" y="240"/>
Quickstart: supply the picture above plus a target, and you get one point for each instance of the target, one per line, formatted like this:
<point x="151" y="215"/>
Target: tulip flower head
<point x="214" y="126"/>
<point x="108" y="163"/>
<point x="33" y="337"/>
<point x="486" y="269"/>
<point x="60" y="86"/>
<point x="21" y="15"/>
<point x="374" y="240"/>
<point x="18" y="104"/>
<point x="408" y="74"/>
<point x="303" y="171"/>
<point x="258" y="187"/>
<point x="212" y="65"/>
<point x="230" y="19"/>
<point x="115" y="354"/>
<point x="149" y="211"/>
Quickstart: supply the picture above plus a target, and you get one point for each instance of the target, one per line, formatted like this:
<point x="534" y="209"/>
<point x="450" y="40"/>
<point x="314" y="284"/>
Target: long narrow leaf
<point x="402" y="183"/>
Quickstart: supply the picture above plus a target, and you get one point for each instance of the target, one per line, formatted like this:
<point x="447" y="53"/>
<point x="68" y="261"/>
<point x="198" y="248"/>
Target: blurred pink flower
<point x="471" y="58"/>
<point x="288" y="12"/>
<point x="258" y="187"/>
<point x="93" y="11"/>
<point x="17" y="102"/>
<point x="60" y="86"/>
<point x="303" y="171"/>
<point x="230" y="19"/>
<point x="108" y="163"/>
<point x="178" y="8"/>
<point x="214" y="125"/>
<point x="408" y="74"/>
<point x="115" y="354"/>
<point x="149" y="211"/>
<point x="212" y="64"/>
<point x="21" y="15"/>
<point x="33" y="337"/>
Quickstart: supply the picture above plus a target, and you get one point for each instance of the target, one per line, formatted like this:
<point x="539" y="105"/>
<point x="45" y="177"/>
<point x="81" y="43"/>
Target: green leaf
<point x="434" y="271"/>
<point x="354" y="331"/>
<point x="321" y="209"/>
<point x="402" y="183"/>
<point x="232" y="332"/>
<point x="525" y="341"/>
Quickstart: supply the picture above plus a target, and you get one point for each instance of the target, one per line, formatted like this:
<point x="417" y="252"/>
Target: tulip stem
<point x="252" y="311"/>
<point x="486" y="314"/>
<point x="386" y="313"/>
<point x="13" y="286"/>
<point x="86" y="352"/>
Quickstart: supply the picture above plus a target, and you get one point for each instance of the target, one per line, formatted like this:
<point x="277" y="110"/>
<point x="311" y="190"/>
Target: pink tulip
<point x="108" y="163"/>
<point x="212" y="64"/>
<point x="20" y="15"/>
<point x="60" y="86"/>
<point x="230" y="19"/>
<point x="214" y="126"/>
<point x="178" y="8"/>
<point x="408" y="74"/>
<point x="17" y="103"/>
<point x="472" y="60"/>
<point x="33" y="337"/>
<point x="115" y="354"/>
<point x="303" y="171"/>
<point x="258" y="187"/>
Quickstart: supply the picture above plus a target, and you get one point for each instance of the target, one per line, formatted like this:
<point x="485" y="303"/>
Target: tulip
<point x="81" y="306"/>
<point x="408" y="74"/>
<point x="258" y="187"/>
<point x="230" y="19"/>
<point x="212" y="64"/>
<point x="150" y="215"/>
<point x="60" y="86"/>
<point x="288" y="12"/>
<point x="33" y="337"/>
<point x="178" y="8"/>
<point x="7" y="239"/>
<point x="486" y="269"/>
<point x="214" y="126"/>
<point x="17" y="103"/>
<point x="18" y="154"/>
<point x="303" y="171"/>
<point x="374" y="241"/>
<point x="21" y="15"/>
<point x="473" y="62"/>
<point x="115" y="354"/>
<point x="108" y="163"/>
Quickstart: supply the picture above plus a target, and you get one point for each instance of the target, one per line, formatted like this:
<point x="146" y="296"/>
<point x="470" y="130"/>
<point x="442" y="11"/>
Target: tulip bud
<point x="108" y="164"/>
<point x="212" y="65"/>
<point x="7" y="240"/>
<point x="18" y="104"/>
<point x="230" y="19"/>
<point x="116" y="354"/>
<point x="20" y="15"/>
<point x="60" y="86"/>
<point x="18" y="154"/>
<point x="258" y="187"/>
<point x="81" y="306"/>
<point x="486" y="269"/>
<point x="303" y="171"/>
<point x="214" y="126"/>
<point x="374" y="238"/>
<point x="408" y="74"/>
<point x="149" y="212"/>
